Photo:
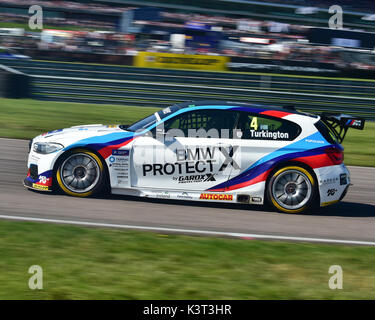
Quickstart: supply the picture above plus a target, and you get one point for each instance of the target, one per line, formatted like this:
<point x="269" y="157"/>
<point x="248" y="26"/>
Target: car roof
<point x="238" y="104"/>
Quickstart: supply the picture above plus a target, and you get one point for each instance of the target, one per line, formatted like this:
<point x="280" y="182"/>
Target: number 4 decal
<point x="254" y="123"/>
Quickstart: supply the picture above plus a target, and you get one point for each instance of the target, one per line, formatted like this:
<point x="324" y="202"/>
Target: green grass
<point x="360" y="146"/>
<point x="88" y="263"/>
<point x="25" y="119"/>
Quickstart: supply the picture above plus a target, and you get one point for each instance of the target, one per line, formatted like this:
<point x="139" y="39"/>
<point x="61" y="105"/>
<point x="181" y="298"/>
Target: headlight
<point x="47" y="147"/>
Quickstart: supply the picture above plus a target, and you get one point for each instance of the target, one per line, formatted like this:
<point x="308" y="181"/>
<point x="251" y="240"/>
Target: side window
<point x="258" y="127"/>
<point x="204" y="123"/>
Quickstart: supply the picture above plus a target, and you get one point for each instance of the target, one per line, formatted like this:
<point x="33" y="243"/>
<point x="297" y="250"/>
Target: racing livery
<point x="204" y="151"/>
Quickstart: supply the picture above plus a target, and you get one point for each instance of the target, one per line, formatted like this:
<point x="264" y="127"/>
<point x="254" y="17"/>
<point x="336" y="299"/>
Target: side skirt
<point x="206" y="196"/>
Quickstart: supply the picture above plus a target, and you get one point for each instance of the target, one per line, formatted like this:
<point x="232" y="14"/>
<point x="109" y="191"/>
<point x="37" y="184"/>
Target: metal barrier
<point x="13" y="83"/>
<point x="76" y="82"/>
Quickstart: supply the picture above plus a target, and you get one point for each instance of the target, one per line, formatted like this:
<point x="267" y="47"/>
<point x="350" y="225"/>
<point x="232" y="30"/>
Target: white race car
<point x="205" y="151"/>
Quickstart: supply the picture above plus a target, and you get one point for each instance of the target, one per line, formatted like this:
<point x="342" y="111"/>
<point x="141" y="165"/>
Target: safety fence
<point x="89" y="83"/>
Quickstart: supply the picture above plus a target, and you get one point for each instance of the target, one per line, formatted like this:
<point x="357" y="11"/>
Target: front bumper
<point x="35" y="186"/>
<point x="40" y="170"/>
<point x="35" y="181"/>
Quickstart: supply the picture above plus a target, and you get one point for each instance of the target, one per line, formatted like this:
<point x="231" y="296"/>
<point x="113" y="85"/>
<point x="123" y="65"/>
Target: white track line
<point x="189" y="231"/>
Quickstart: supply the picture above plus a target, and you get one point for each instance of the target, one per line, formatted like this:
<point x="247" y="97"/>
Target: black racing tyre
<point x="292" y="189"/>
<point x="81" y="173"/>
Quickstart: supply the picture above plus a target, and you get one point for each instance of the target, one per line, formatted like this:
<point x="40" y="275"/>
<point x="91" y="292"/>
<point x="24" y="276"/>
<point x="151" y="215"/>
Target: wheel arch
<point x="288" y="163"/>
<point x="66" y="153"/>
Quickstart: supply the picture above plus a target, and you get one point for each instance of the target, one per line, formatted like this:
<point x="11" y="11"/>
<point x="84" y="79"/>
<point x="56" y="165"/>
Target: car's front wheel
<point x="81" y="173"/>
<point x="292" y="189"/>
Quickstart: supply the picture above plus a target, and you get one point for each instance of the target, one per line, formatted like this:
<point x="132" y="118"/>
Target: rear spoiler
<point x="340" y="123"/>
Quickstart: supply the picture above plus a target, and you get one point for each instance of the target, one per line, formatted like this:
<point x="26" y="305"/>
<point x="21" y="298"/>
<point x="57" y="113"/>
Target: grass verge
<point x="88" y="263"/>
<point x="24" y="119"/>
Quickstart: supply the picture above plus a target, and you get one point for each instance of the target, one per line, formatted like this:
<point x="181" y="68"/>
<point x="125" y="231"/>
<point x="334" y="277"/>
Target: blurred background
<point x="280" y="35"/>
<point x="279" y="52"/>
<point x="117" y="61"/>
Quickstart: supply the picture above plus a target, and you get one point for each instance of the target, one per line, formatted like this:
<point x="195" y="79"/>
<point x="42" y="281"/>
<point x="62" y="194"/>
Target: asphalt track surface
<point x="351" y="220"/>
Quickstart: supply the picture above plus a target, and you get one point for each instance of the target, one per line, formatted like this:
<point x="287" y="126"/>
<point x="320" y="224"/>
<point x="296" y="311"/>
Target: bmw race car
<point x="206" y="151"/>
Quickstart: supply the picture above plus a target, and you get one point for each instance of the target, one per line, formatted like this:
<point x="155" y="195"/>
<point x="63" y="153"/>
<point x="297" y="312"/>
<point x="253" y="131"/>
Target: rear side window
<point x="326" y="132"/>
<point x="257" y="127"/>
<point x="203" y="119"/>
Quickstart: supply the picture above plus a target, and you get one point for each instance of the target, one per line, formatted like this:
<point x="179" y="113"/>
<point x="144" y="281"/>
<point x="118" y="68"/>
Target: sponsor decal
<point x="314" y="141"/>
<point x="194" y="161"/>
<point x="166" y="110"/>
<point x="196" y="154"/>
<point x="118" y="161"/>
<point x="208" y="177"/>
<point x="354" y="123"/>
<point x="163" y="195"/>
<point x="184" y="195"/>
<point x="256" y="199"/>
<point x="331" y="192"/>
<point x="179" y="168"/>
<point x="120" y="153"/>
<point x="123" y="171"/>
<point x="175" y="60"/>
<point x="40" y="187"/>
<point x="119" y="165"/>
<point x="329" y="180"/>
<point x="215" y="196"/>
<point x="33" y="157"/>
<point x="44" y="180"/>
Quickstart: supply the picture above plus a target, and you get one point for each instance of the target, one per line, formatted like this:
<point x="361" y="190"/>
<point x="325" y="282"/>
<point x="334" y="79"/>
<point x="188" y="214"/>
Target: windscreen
<point x="142" y="124"/>
<point x="152" y="119"/>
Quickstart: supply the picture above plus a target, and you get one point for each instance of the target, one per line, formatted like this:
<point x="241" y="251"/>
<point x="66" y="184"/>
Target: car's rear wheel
<point x="292" y="189"/>
<point x="81" y="173"/>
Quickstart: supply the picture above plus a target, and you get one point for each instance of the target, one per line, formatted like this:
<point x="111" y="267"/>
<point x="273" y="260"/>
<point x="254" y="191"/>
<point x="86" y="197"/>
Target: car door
<point x="260" y="140"/>
<point x="191" y="151"/>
